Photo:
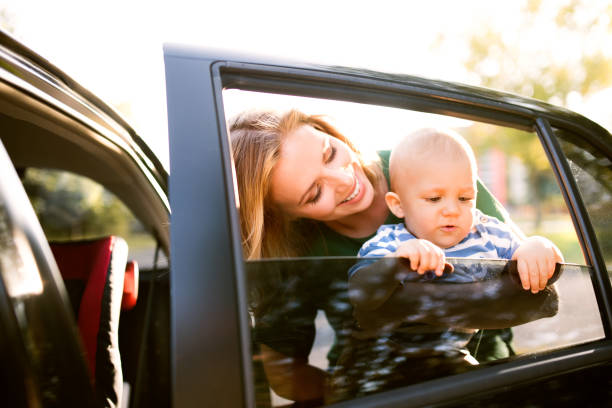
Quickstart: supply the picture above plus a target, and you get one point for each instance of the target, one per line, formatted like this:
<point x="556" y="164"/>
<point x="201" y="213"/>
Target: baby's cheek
<point x="470" y="223"/>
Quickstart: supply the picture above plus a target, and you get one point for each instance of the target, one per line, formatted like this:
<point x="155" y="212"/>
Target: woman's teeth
<point x="354" y="193"/>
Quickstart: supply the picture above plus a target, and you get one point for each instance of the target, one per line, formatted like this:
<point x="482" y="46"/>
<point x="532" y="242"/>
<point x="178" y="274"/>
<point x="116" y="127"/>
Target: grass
<point x="559" y="230"/>
<point x="568" y="244"/>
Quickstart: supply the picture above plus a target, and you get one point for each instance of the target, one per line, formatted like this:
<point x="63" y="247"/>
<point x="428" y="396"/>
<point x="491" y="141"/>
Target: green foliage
<point x="73" y="207"/>
<point x="6" y="21"/>
<point x="568" y="245"/>
<point x="598" y="72"/>
<point x="573" y="63"/>
<point x="533" y="6"/>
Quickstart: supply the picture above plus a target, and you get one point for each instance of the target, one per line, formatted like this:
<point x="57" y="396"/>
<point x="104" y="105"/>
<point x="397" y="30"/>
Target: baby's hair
<point x="426" y="143"/>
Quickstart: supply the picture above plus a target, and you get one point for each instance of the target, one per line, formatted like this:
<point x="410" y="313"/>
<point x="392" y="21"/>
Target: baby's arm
<point x="423" y="255"/>
<point x="536" y="258"/>
<point x="372" y="283"/>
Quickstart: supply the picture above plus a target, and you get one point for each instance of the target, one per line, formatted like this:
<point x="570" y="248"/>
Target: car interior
<point x="65" y="157"/>
<point x="92" y="271"/>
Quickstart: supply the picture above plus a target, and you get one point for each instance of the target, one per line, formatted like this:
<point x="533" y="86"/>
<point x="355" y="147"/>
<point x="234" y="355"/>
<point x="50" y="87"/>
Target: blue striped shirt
<point x="489" y="238"/>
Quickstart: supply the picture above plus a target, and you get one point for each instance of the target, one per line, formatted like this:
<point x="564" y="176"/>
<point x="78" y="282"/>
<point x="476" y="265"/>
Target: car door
<point x="215" y="346"/>
<point x="86" y="175"/>
<point x="42" y="356"/>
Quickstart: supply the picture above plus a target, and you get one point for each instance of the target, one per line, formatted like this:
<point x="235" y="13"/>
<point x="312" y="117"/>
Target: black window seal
<point x="234" y="218"/>
<point x="327" y="85"/>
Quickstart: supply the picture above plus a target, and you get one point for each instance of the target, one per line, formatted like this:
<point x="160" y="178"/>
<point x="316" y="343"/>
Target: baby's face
<point x="438" y="198"/>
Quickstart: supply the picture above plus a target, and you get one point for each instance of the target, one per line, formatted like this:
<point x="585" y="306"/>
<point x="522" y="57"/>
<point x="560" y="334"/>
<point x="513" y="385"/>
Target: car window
<point x="72" y="207"/>
<point x="312" y="342"/>
<point x="592" y="170"/>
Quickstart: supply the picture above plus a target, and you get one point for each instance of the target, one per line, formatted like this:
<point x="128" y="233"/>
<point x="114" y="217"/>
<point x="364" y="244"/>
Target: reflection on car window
<point x="592" y="170"/>
<point x="18" y="268"/>
<point x="72" y="207"/>
<point x="423" y="336"/>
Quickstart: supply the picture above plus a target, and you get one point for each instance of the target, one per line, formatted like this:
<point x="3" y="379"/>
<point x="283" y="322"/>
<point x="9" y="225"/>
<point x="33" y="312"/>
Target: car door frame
<point x="211" y="348"/>
<point x="46" y="354"/>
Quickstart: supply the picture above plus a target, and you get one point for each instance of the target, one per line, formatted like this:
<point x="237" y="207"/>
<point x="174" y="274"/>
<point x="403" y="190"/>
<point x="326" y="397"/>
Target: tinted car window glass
<point x="303" y="312"/>
<point x="311" y="341"/>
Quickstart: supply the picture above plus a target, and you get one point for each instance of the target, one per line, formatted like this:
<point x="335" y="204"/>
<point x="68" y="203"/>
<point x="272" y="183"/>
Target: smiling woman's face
<point x="319" y="177"/>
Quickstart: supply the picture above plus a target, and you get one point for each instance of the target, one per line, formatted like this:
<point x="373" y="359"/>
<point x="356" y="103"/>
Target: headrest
<point x="94" y="276"/>
<point x="75" y="260"/>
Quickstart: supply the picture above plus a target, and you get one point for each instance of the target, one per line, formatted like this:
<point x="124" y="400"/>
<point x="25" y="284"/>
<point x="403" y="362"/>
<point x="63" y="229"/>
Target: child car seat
<point x="94" y="272"/>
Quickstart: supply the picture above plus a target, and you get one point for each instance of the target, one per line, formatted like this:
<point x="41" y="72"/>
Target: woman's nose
<point x="341" y="179"/>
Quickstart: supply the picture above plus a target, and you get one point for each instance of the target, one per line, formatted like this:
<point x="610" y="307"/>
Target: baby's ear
<point x="394" y="204"/>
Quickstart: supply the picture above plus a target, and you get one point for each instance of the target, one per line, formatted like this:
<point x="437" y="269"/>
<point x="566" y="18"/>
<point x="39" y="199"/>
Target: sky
<point x="114" y="48"/>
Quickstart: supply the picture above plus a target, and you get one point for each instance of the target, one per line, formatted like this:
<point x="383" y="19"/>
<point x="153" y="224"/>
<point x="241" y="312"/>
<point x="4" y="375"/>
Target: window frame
<point x="582" y="223"/>
<point x="210" y="236"/>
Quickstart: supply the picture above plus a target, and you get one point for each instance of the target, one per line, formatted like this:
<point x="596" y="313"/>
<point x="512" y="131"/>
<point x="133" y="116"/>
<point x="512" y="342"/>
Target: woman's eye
<point x="332" y="154"/>
<point x="465" y="198"/>
<point x="433" y="199"/>
<point x="316" y="197"/>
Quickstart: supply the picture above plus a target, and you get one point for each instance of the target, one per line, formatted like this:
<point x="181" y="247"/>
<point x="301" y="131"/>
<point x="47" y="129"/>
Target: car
<point x="73" y="171"/>
<point x="88" y="175"/>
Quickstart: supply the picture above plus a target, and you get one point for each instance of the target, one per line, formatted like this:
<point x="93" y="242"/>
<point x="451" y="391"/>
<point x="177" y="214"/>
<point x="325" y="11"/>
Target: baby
<point x="433" y="182"/>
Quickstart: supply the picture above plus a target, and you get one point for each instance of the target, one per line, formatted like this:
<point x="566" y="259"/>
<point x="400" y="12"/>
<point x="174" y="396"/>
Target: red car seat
<point x="94" y="273"/>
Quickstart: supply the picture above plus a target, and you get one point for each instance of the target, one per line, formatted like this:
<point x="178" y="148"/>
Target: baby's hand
<point x="535" y="259"/>
<point x="423" y="255"/>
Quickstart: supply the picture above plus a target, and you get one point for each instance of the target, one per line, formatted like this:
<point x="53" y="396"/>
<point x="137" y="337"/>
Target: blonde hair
<point x="256" y="138"/>
<point x="425" y="142"/>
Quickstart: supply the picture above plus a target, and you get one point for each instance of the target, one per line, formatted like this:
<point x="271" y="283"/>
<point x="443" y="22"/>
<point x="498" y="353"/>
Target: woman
<point x="305" y="190"/>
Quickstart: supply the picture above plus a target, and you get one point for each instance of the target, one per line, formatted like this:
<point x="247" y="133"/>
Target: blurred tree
<point x="6" y="21"/>
<point x="560" y="52"/>
<point x="74" y="207"/>
<point x="577" y="59"/>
